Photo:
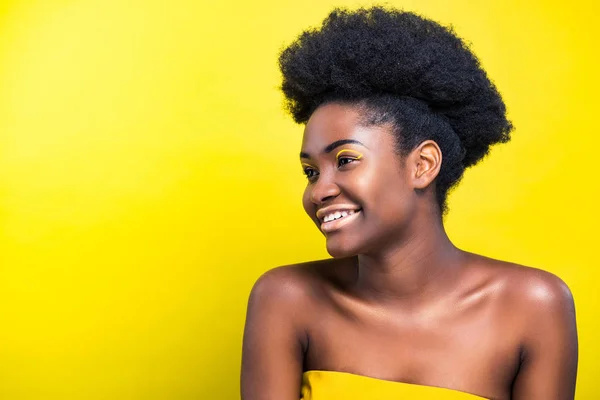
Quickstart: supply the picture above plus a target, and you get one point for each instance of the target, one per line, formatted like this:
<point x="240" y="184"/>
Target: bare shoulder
<point x="536" y="308"/>
<point x="297" y="285"/>
<point x="526" y="290"/>
<point x="275" y="335"/>
<point x="286" y="282"/>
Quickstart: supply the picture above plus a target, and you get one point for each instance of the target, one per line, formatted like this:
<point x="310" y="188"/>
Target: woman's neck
<point x="427" y="261"/>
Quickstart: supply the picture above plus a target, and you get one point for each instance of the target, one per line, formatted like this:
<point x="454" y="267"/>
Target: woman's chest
<point x="470" y="350"/>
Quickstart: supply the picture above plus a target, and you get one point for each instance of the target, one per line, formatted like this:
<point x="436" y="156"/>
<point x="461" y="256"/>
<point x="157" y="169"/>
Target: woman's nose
<point x="323" y="190"/>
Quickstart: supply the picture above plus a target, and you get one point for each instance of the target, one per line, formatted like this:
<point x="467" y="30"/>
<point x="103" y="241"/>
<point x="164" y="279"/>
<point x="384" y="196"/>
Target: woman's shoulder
<point x="523" y="289"/>
<point x="298" y="284"/>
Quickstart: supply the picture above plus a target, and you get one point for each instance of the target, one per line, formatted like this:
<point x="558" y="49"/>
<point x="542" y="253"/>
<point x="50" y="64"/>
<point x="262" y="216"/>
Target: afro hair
<point x="403" y="69"/>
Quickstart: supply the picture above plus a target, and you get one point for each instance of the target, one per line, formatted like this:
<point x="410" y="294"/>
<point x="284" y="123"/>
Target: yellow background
<point x="148" y="176"/>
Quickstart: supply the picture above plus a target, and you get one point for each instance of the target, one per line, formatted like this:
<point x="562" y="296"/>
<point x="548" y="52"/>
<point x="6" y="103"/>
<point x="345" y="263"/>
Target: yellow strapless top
<point x="330" y="385"/>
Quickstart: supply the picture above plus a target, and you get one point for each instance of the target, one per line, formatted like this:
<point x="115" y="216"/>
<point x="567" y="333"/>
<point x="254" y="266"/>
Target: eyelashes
<point x="309" y="170"/>
<point x="343" y="157"/>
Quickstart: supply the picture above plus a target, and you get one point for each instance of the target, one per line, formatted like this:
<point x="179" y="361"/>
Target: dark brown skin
<point x="399" y="301"/>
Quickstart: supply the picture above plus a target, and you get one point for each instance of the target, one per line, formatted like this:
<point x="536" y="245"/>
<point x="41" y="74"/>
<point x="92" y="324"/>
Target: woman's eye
<point x="345" y="160"/>
<point x="310" y="173"/>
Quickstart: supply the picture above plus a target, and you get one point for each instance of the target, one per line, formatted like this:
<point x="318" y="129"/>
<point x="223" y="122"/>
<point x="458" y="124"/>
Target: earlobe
<point x="427" y="164"/>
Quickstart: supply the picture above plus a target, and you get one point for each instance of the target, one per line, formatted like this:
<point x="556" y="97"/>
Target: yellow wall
<point x="148" y="175"/>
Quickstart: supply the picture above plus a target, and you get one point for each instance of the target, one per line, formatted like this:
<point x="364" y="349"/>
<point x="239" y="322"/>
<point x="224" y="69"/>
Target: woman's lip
<point x="331" y="226"/>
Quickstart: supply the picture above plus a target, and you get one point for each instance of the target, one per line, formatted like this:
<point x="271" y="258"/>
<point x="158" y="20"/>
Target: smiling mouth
<point x="334" y="221"/>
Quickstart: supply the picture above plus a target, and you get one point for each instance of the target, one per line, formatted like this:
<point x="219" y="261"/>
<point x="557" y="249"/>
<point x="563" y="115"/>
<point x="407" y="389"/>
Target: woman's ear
<point x="425" y="163"/>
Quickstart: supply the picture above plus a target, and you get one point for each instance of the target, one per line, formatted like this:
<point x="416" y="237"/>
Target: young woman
<point x="396" y="107"/>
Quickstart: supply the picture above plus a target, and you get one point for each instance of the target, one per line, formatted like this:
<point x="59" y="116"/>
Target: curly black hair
<point x="403" y="69"/>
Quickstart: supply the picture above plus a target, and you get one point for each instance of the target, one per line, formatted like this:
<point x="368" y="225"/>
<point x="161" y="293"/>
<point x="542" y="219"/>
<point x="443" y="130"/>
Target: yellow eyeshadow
<point x="355" y="153"/>
<point x="308" y="165"/>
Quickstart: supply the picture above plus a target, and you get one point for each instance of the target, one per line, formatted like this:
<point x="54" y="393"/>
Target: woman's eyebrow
<point x="330" y="147"/>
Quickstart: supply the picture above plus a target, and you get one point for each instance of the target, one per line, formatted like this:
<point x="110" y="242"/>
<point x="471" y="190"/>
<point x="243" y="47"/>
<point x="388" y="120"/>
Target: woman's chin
<point x="341" y="250"/>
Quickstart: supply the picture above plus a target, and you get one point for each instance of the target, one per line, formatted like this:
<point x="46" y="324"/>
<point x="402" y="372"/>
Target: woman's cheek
<point x="364" y="186"/>
<point x="307" y="203"/>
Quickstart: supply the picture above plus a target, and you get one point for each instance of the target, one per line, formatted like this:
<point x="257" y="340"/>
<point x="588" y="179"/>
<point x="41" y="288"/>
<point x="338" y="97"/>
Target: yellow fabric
<point x="329" y="385"/>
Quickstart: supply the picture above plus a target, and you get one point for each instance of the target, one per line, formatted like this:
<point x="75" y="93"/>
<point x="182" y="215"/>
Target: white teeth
<point x="337" y="215"/>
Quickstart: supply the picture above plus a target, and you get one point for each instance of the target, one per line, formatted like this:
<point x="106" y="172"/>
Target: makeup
<point x="305" y="165"/>
<point x="307" y="168"/>
<point x="348" y="152"/>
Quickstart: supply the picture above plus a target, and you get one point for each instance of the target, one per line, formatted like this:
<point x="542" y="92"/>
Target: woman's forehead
<point x="335" y="122"/>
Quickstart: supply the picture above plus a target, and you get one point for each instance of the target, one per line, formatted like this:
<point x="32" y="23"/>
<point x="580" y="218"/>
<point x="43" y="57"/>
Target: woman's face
<point x="359" y="190"/>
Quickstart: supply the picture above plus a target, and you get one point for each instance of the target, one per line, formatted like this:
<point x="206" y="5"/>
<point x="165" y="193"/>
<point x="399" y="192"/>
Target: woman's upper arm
<point x="548" y="368"/>
<point x="272" y="351"/>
